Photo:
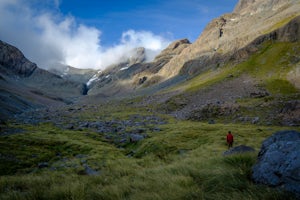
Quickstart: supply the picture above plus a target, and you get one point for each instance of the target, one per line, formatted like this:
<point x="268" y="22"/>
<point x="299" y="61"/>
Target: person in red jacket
<point x="229" y="139"/>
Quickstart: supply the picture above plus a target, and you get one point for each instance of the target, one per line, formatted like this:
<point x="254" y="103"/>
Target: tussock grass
<point x="183" y="161"/>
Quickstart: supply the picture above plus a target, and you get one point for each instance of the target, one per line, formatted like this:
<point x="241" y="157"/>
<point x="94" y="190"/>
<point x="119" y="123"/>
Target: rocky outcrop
<point x="12" y="61"/>
<point x="278" y="163"/>
<point x="174" y="49"/>
<point x="149" y="70"/>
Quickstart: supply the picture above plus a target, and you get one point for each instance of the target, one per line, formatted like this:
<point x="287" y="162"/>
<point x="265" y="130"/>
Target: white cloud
<point x="50" y="39"/>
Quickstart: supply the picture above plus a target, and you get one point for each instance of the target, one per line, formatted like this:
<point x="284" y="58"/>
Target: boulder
<point x="136" y="137"/>
<point x="89" y="171"/>
<point x="278" y="163"/>
<point x="238" y="149"/>
<point x="43" y="165"/>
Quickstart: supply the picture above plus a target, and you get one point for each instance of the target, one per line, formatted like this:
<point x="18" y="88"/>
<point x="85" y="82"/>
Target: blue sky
<point x="96" y="34"/>
<point x="172" y="18"/>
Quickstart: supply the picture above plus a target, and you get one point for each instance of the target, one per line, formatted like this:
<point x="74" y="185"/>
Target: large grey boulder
<point x="278" y="163"/>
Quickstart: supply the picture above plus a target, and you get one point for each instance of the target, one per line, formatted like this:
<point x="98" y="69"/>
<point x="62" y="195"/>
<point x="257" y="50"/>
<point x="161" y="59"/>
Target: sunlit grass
<point x="182" y="161"/>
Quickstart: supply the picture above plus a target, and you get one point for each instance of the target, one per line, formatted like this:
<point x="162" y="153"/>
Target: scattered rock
<point x="70" y="127"/>
<point x="255" y="120"/>
<point x="259" y="94"/>
<point x="278" y="163"/>
<point x="136" y="137"/>
<point x="156" y="129"/>
<point x="80" y="156"/>
<point x="89" y="171"/>
<point x="43" y="165"/>
<point x="142" y="80"/>
<point x="238" y="149"/>
<point x="211" y="121"/>
<point x="10" y="131"/>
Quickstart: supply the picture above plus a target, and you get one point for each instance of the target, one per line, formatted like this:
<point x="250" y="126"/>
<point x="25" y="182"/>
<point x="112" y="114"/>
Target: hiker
<point x="229" y="139"/>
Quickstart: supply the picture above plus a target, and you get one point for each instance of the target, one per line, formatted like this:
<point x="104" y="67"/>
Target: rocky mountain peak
<point x="243" y="4"/>
<point x="230" y="32"/>
<point x="178" y="43"/>
<point x="173" y="49"/>
<point x="137" y="56"/>
<point x="13" y="62"/>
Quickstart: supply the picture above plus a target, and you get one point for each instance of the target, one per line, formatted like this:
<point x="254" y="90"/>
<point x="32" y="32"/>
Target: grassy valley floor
<point x="175" y="159"/>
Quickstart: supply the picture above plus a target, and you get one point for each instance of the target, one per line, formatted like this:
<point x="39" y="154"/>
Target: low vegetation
<point x="176" y="159"/>
<point x="181" y="161"/>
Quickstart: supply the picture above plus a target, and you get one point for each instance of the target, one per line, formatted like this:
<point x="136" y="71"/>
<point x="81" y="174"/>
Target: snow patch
<point x="94" y="78"/>
<point x="124" y="68"/>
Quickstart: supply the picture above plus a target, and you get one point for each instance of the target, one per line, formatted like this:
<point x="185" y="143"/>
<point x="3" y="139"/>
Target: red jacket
<point x="229" y="138"/>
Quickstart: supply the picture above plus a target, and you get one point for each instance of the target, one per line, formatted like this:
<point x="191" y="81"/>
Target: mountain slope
<point x="127" y="77"/>
<point x="232" y="36"/>
<point x="25" y="86"/>
<point x="73" y="74"/>
<point x="242" y="58"/>
<point x="225" y="35"/>
<point x="258" y="83"/>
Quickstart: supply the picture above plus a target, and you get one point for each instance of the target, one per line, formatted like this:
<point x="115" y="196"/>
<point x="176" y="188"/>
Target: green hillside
<point x="269" y="68"/>
<point x="270" y="64"/>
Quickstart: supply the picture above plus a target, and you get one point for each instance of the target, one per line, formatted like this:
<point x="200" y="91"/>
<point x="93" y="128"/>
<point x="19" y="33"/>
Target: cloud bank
<point x="50" y="39"/>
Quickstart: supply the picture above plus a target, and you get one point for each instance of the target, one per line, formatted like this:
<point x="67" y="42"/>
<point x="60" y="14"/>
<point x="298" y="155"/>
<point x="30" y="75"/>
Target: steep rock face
<point x="231" y="32"/>
<point x="148" y="71"/>
<point x="12" y="61"/>
<point x="175" y="48"/>
<point x="15" y="66"/>
<point x="24" y="86"/>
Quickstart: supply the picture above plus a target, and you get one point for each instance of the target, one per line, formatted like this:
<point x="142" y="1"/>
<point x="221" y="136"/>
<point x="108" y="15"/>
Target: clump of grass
<point x="183" y="161"/>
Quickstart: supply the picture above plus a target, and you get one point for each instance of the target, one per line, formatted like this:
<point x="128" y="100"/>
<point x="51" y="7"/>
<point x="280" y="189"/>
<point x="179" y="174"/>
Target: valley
<point x="118" y="150"/>
<point x="155" y="129"/>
